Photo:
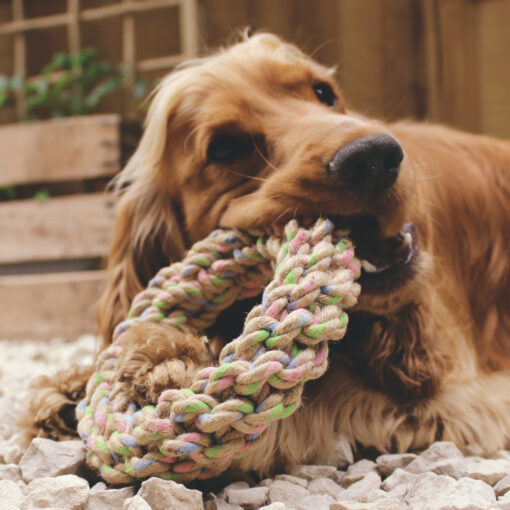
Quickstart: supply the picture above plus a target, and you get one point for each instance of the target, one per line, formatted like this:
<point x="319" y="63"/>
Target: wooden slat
<point x="453" y="83"/>
<point x="36" y="152"/>
<point x="73" y="28"/>
<point x="20" y="58"/>
<point x="49" y="305"/>
<point x="188" y="23"/>
<point x="70" y="227"/>
<point x="494" y="62"/>
<point x="96" y="13"/>
<point x="16" y="27"/>
<point x="125" y="8"/>
<point x="157" y="63"/>
<point x="378" y="57"/>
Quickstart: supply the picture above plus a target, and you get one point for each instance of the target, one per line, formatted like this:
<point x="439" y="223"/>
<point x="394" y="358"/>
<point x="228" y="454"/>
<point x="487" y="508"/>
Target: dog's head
<point x="255" y="134"/>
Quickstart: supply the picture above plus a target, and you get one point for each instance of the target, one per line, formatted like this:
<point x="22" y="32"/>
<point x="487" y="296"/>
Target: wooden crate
<point x="50" y="276"/>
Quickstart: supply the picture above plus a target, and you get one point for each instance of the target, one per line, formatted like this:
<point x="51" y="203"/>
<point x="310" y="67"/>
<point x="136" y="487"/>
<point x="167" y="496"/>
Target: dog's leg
<point x="471" y="411"/>
<point x="154" y="358"/>
<point x="51" y="404"/>
<point x="157" y="357"/>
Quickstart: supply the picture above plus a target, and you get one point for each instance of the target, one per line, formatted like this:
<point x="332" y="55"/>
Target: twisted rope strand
<point x="197" y="432"/>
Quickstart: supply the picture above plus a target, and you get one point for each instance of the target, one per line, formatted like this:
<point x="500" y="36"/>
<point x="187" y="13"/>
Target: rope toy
<point x="197" y="432"/>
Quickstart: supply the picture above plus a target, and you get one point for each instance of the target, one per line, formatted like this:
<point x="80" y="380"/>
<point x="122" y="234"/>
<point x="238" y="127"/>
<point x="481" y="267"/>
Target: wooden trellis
<point x="76" y="16"/>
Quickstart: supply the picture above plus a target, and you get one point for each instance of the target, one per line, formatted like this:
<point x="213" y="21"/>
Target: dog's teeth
<point x="407" y="239"/>
<point x="368" y="267"/>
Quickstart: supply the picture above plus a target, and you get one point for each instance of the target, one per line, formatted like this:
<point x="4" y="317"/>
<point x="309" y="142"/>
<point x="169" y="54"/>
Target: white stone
<point x="10" y="494"/>
<point x="310" y="472"/>
<point x="343" y="452"/>
<point x="68" y="491"/>
<point x="315" y="502"/>
<point x="233" y="486"/>
<point x="436" y="452"/>
<point x="362" y="496"/>
<point x="10" y="472"/>
<point x="108" y="499"/>
<point x="220" y="504"/>
<point x="293" y="479"/>
<point x="274" y="506"/>
<point x="324" y="486"/>
<point x="286" y="492"/>
<point x="490" y="471"/>
<point x="503" y="486"/>
<point x="340" y="475"/>
<point x="398" y="482"/>
<point x="358" y="471"/>
<point x="438" y="492"/>
<point x="253" y="497"/>
<point x="267" y="482"/>
<point x="165" y="494"/>
<point x="389" y="462"/>
<point x="503" y="502"/>
<point x="10" y="452"/>
<point x="45" y="458"/>
<point x="371" y="481"/>
<point x="380" y="504"/>
<point x="136" y="503"/>
<point x="99" y="486"/>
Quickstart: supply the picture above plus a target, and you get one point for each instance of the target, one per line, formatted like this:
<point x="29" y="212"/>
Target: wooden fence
<point x="76" y="16"/>
<point x="52" y="247"/>
<point x="437" y="60"/>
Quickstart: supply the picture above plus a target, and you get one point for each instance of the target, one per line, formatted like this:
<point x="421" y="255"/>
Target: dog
<point x="259" y="133"/>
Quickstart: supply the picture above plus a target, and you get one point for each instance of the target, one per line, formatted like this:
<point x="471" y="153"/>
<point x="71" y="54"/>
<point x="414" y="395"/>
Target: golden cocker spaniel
<point x="259" y="133"/>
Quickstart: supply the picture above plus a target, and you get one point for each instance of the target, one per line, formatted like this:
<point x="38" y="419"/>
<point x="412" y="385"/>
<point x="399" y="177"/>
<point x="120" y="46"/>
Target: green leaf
<point x="41" y="195"/>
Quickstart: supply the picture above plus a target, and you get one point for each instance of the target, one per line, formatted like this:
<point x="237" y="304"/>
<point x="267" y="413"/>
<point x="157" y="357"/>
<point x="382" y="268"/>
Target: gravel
<point x="53" y="475"/>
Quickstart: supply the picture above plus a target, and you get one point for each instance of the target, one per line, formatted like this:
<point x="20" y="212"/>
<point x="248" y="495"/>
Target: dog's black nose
<point x="369" y="164"/>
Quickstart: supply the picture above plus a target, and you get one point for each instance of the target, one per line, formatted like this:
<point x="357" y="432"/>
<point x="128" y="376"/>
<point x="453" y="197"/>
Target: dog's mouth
<point x="387" y="263"/>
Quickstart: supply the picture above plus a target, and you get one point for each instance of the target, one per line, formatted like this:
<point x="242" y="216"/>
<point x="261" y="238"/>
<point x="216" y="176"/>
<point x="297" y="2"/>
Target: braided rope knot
<point x="309" y="277"/>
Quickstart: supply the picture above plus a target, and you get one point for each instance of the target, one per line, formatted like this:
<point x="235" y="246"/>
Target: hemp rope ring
<point x="197" y="432"/>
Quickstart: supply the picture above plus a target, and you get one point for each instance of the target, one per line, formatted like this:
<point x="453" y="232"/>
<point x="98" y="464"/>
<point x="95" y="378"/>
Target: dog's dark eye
<point x="325" y="94"/>
<point x="227" y="148"/>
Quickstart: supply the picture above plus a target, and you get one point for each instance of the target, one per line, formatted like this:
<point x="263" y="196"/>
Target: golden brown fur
<point x="427" y="361"/>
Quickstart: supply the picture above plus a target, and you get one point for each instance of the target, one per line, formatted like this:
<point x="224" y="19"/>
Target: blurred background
<point x="88" y="64"/>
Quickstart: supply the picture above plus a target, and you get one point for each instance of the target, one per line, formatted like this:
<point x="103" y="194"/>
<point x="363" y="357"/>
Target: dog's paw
<point x="157" y="357"/>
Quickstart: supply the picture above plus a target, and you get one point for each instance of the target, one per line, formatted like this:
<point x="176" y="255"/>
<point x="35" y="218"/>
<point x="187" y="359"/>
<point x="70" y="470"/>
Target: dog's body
<point x="258" y="134"/>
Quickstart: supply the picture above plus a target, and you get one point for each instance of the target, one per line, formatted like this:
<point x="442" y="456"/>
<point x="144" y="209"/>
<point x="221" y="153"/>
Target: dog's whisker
<point x="266" y="160"/>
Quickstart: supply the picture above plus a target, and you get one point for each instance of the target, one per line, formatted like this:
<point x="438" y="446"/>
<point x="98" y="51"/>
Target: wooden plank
<point x="96" y="13"/>
<point x="20" y="58"/>
<point x="122" y="9"/>
<point x="73" y="28"/>
<point x="18" y="27"/>
<point x="494" y="62"/>
<point x="69" y="227"/>
<point x="188" y="23"/>
<point x="378" y="57"/>
<point x="453" y="82"/>
<point x="157" y="63"/>
<point x="49" y="305"/>
<point x="57" y="150"/>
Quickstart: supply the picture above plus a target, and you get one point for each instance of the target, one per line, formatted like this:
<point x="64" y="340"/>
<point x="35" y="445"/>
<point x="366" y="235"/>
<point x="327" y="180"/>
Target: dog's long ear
<point x="146" y="237"/>
<point x="147" y="233"/>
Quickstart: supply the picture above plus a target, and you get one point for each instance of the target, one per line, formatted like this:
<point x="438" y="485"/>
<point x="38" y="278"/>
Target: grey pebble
<point x="358" y="471"/>
<point x="503" y="486"/>
<point x="253" y="497"/>
<point x="293" y="479"/>
<point x="310" y="472"/>
<point x="286" y="492"/>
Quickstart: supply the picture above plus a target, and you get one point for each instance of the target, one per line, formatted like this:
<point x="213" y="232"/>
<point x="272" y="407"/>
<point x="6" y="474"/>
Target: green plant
<point x="70" y="85"/>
